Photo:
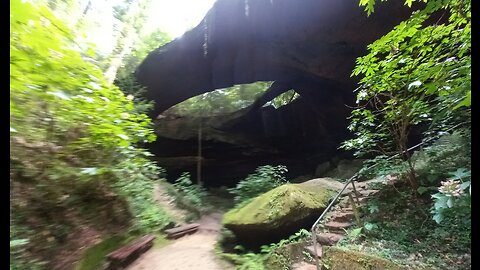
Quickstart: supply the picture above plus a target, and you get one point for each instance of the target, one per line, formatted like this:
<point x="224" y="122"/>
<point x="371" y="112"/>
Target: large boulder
<point x="278" y="213"/>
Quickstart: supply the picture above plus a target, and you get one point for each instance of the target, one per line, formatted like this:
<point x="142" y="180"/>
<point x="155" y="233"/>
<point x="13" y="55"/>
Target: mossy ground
<point x="343" y="259"/>
<point x="94" y="257"/>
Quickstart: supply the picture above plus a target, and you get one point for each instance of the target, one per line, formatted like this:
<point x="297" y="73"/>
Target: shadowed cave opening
<point x="301" y="134"/>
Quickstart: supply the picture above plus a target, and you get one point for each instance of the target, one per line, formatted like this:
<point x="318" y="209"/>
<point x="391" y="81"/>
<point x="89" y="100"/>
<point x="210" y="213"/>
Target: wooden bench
<point x="182" y="230"/>
<point x="122" y="257"/>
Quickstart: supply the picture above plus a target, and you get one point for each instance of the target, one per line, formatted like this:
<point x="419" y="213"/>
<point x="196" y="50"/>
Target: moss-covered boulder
<point x="278" y="213"/>
<point x="341" y="259"/>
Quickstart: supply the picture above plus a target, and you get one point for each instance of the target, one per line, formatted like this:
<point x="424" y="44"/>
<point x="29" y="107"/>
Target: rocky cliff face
<point x="242" y="41"/>
<point x="309" y="46"/>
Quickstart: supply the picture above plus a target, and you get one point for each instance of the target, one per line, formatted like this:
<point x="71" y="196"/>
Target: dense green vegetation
<point x="125" y="74"/>
<point x="75" y="140"/>
<point x="272" y="256"/>
<point x="264" y="179"/>
<point x="78" y="166"/>
<point x="416" y="74"/>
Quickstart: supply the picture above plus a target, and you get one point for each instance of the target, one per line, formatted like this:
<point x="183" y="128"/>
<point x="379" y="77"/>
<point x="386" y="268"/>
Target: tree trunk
<point x="199" y="156"/>
<point x="116" y="60"/>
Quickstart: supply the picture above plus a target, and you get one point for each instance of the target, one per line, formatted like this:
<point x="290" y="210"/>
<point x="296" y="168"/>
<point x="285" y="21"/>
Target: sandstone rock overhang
<point x="243" y="41"/>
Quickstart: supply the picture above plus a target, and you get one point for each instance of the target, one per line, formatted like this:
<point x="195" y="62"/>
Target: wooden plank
<point x="141" y="245"/>
<point x="181" y="233"/>
<point x="182" y="228"/>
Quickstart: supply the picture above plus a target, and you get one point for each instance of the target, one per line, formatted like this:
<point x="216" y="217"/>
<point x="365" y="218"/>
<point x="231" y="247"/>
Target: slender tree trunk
<point x="128" y="29"/>
<point x="199" y="157"/>
<point x="403" y="143"/>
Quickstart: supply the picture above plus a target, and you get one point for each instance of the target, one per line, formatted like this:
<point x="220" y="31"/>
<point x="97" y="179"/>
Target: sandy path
<point x="189" y="252"/>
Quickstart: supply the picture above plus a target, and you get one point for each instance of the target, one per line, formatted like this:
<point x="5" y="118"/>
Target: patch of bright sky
<point x="177" y="16"/>
<point x="172" y="16"/>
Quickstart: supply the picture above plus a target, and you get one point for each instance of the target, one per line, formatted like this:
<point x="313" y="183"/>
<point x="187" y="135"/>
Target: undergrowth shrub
<point x="264" y="178"/>
<point x="451" y="151"/>
<point x="272" y="256"/>
<point x="136" y="184"/>
<point x="194" y="194"/>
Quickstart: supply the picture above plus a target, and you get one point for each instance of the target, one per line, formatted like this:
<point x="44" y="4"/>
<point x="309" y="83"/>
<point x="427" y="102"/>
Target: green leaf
<point x="89" y="171"/>
<point x="438" y="218"/>
<point x="18" y="242"/>
<point x="450" y="202"/>
<point x="355" y="233"/>
<point x="466" y="102"/>
<point x="414" y="84"/>
<point x="60" y="94"/>
<point x="460" y="173"/>
<point x="370" y="226"/>
<point x="464" y="185"/>
<point x="373" y="209"/>
<point x="422" y="190"/>
<point x="123" y="136"/>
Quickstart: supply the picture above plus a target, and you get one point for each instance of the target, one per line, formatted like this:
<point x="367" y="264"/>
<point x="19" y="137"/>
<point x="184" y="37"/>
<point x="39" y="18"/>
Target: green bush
<point x="136" y="184"/>
<point x="194" y="194"/>
<point x="264" y="179"/>
<point x="271" y="256"/>
<point x="451" y="150"/>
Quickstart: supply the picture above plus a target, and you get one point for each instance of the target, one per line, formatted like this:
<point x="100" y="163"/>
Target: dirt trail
<point x="167" y="203"/>
<point x="194" y="252"/>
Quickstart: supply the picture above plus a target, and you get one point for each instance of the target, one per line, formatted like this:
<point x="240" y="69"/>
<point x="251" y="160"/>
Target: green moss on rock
<point x="281" y="211"/>
<point x="340" y="259"/>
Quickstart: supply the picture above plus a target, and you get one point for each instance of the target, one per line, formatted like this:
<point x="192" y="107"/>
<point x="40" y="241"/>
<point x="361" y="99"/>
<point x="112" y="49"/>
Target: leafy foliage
<point x="401" y="230"/>
<point x="73" y="138"/>
<point x="453" y="151"/>
<point x="125" y="79"/>
<point x="453" y="196"/>
<point x="283" y="99"/>
<point x="264" y="178"/>
<point x="194" y="194"/>
<point x="221" y="101"/>
<point x="268" y="253"/>
<point x="134" y="182"/>
<point x="247" y="261"/>
<point x="299" y="236"/>
<point x="417" y="73"/>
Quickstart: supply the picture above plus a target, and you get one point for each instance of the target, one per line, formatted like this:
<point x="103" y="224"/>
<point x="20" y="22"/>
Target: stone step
<point x="361" y="185"/>
<point x="369" y="192"/>
<point x="303" y="266"/>
<point x="343" y="202"/>
<point x="343" y="216"/>
<point x="361" y="199"/>
<point x="333" y="226"/>
<point x="311" y="250"/>
<point x="329" y="239"/>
